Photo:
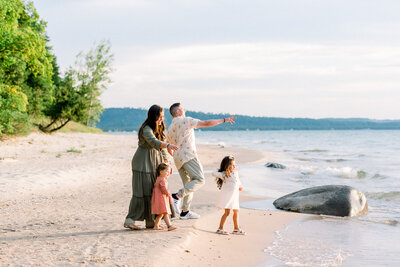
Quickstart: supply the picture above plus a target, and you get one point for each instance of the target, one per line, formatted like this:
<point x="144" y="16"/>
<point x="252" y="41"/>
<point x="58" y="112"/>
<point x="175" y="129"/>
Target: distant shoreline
<point x="129" y="119"/>
<point x="255" y="130"/>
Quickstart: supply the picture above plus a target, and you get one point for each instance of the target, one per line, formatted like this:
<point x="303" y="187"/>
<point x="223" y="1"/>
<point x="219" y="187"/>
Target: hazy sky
<point x="282" y="58"/>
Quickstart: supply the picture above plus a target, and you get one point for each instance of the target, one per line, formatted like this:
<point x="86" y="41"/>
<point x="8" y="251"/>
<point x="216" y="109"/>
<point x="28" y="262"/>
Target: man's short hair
<point x="173" y="108"/>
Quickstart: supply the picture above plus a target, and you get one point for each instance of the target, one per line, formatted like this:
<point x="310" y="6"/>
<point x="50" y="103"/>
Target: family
<point x="151" y="201"/>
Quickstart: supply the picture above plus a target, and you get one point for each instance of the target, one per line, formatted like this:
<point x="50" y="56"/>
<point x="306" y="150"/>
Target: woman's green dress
<point x="144" y="163"/>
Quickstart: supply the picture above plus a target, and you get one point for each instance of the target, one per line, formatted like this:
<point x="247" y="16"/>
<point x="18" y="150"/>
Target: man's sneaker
<point x="190" y="215"/>
<point x="177" y="204"/>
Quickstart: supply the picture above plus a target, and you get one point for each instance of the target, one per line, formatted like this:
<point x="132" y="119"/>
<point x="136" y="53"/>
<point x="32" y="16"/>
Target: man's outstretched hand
<point x="231" y="119"/>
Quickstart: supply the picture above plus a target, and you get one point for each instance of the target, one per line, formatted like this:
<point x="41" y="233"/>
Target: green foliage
<point x="92" y="75"/>
<point x="25" y="64"/>
<point x="12" y="109"/>
<point x="66" y="106"/>
<point x="30" y="83"/>
<point x="25" y="58"/>
<point x="76" y="96"/>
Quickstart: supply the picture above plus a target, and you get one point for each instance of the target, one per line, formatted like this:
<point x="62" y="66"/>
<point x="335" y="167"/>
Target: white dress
<point x="229" y="196"/>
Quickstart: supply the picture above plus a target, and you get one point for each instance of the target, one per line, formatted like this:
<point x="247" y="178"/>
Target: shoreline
<point x="204" y="247"/>
<point x="67" y="208"/>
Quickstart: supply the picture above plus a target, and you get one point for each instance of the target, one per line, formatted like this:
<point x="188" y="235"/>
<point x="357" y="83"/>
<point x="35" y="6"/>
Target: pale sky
<point x="282" y="58"/>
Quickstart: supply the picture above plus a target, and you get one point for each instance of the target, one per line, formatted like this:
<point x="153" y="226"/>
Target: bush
<point x="12" y="109"/>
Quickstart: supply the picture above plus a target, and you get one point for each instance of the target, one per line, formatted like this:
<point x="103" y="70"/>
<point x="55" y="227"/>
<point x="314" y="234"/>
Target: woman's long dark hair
<point x="153" y="115"/>
<point x="226" y="161"/>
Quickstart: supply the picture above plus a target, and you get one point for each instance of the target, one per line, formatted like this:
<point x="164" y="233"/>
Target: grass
<point x="71" y="127"/>
<point x="73" y="150"/>
<point x="74" y="127"/>
<point x="24" y="129"/>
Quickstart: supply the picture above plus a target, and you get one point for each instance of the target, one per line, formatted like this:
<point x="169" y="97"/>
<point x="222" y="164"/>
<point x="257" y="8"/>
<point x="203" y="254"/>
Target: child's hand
<point x="240" y="188"/>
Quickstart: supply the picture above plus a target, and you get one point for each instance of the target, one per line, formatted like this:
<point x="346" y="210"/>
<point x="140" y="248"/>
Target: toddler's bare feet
<point x="158" y="227"/>
<point x="172" y="228"/>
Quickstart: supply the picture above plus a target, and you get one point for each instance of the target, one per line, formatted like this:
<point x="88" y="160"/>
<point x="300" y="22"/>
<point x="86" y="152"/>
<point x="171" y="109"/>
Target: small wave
<point x="303" y="159"/>
<point x="391" y="222"/>
<point x="335" y="160"/>
<point x="387" y="196"/>
<point x="306" y="169"/>
<point x="314" y="151"/>
<point x="309" y="251"/>
<point x="348" y="172"/>
<point x="361" y="174"/>
<point x="379" y="176"/>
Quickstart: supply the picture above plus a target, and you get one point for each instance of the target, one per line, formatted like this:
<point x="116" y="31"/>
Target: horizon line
<point x="325" y="118"/>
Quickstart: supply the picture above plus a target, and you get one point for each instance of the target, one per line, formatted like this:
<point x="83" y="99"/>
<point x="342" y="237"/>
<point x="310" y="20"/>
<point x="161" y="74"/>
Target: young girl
<point x="228" y="182"/>
<point x="161" y="198"/>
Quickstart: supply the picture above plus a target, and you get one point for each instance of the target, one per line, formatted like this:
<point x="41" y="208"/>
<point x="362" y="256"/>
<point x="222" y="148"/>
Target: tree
<point x="38" y="84"/>
<point x="30" y="83"/>
<point x="25" y="64"/>
<point x="76" y="96"/>
<point x="92" y="73"/>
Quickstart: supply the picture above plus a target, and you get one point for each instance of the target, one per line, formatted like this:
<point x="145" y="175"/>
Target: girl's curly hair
<point x="224" y="168"/>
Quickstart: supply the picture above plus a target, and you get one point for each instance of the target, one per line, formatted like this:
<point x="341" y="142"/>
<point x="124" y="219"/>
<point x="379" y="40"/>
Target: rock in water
<point x="274" y="165"/>
<point x="336" y="200"/>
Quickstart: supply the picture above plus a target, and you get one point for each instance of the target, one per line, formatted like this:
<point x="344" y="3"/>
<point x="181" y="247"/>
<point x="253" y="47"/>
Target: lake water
<point x="365" y="159"/>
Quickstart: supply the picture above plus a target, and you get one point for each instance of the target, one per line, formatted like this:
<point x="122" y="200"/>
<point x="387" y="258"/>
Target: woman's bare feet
<point x="132" y="227"/>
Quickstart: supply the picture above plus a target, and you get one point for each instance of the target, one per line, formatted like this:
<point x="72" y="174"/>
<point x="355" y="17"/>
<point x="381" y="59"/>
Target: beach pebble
<point x="274" y="165"/>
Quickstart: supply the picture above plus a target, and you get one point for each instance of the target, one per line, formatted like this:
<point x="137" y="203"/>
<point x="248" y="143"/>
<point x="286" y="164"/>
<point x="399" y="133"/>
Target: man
<point x="181" y="134"/>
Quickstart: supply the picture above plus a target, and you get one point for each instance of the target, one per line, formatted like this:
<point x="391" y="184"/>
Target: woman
<point x="150" y="153"/>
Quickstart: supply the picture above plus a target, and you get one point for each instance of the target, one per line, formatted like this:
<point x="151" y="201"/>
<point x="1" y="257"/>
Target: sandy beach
<point x="64" y="197"/>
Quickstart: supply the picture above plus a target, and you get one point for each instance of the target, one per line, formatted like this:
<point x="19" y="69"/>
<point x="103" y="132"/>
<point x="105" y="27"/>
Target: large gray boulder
<point x="336" y="200"/>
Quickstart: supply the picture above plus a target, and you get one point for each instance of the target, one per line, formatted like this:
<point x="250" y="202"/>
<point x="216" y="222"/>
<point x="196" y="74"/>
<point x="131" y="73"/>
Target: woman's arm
<point x="151" y="139"/>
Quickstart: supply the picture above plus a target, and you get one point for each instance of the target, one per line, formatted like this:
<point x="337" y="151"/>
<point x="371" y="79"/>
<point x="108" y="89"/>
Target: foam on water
<point x="387" y="196"/>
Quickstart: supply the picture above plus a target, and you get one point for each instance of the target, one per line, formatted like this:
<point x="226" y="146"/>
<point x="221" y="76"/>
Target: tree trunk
<point x="46" y="128"/>
<point x="59" y="127"/>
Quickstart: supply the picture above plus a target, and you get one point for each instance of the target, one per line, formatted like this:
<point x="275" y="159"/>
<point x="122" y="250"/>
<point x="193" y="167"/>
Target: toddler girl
<point x="228" y="182"/>
<point x="161" y="198"/>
